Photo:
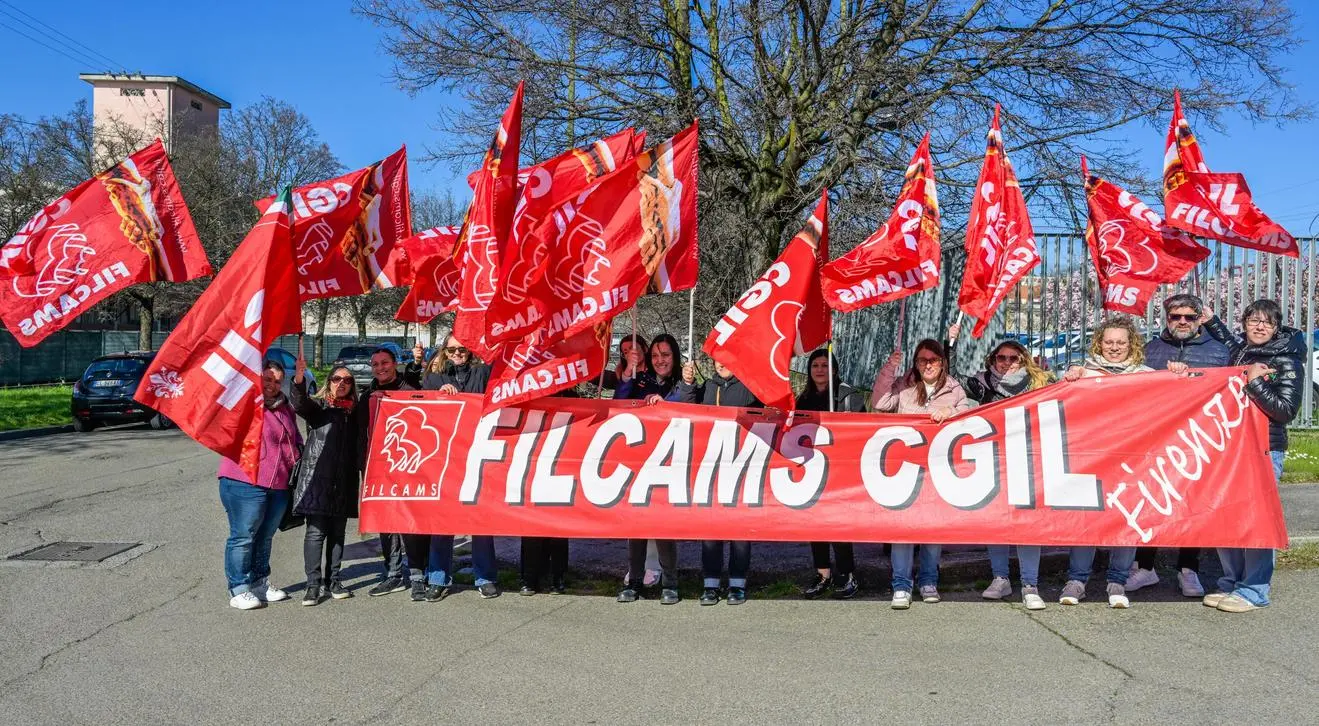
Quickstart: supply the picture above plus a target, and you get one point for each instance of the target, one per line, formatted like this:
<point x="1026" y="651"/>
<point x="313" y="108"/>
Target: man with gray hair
<point x="1182" y="340"/>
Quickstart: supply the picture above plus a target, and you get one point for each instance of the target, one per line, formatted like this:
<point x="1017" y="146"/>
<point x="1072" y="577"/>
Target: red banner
<point x="782" y="315"/>
<point x="207" y="376"/>
<point x="431" y="270"/>
<point x="345" y="229"/>
<point x="1089" y="462"/>
<point x="1000" y="243"/>
<point x="899" y="259"/>
<point x="126" y="225"/>
<point x="1132" y="249"/>
<point x="1217" y="206"/>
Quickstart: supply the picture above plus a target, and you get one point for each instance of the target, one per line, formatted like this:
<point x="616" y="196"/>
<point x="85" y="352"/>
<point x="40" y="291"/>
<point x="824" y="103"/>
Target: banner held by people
<point x="127" y="225"/>
<point x="206" y="378"/>
<point x="1000" y="243"/>
<point x="783" y="314"/>
<point x="902" y="257"/>
<point x="1132" y="249"/>
<point x="1082" y="463"/>
<point x="345" y="229"/>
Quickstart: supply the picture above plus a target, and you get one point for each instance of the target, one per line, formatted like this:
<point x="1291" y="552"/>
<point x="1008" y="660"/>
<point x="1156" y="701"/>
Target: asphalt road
<point x="152" y="640"/>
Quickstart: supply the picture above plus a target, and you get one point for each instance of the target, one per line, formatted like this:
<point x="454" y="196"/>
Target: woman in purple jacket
<point x="255" y="508"/>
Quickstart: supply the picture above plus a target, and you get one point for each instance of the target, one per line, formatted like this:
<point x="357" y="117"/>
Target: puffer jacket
<point x="327" y="483"/>
<point x="846" y="399"/>
<point x="646" y="384"/>
<point x="721" y="392"/>
<point x="891" y="394"/>
<point x="1278" y="395"/>
<point x="1202" y="351"/>
<point x="471" y="377"/>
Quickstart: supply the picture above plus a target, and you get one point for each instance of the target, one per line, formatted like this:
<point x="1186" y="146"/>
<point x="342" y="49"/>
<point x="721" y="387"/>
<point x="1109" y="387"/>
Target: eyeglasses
<point x="1007" y="358"/>
<point x="456" y="351"/>
<point x="341" y="379"/>
<point x="928" y="361"/>
<point x="1174" y="317"/>
<point x="1259" y="323"/>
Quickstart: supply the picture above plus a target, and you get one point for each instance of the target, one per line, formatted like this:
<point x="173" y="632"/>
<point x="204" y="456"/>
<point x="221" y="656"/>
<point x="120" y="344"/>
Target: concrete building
<point x="154" y="104"/>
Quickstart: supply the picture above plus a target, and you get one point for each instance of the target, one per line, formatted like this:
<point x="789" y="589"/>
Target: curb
<point x="34" y="433"/>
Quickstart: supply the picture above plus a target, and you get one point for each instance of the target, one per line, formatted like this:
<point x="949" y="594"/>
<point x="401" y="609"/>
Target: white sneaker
<point x="1189" y="582"/>
<point x="1141" y="578"/>
<point x="929" y="593"/>
<point x="265" y="592"/>
<point x="1117" y="596"/>
<point x="245" y="601"/>
<point x="1211" y="600"/>
<point x="1030" y="595"/>
<point x="1073" y="592"/>
<point x="901" y="600"/>
<point x="998" y="589"/>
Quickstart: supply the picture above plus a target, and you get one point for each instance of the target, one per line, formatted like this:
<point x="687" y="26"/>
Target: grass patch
<point x="1300" y="557"/>
<point x="1302" y="464"/>
<point x="32" y="406"/>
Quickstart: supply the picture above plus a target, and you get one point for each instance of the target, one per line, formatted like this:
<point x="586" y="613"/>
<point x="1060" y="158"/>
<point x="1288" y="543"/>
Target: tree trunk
<point x="361" y="324"/>
<point x="435" y="330"/>
<point x="146" y="320"/>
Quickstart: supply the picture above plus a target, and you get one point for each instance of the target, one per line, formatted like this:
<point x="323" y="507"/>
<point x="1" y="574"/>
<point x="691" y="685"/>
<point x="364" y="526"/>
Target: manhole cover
<point x="75" y="551"/>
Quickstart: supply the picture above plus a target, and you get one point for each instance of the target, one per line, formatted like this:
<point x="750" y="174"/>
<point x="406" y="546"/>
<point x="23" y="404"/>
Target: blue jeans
<point x="1082" y="560"/>
<point x="1028" y="559"/>
<point x="254" y="516"/>
<point x="902" y="557"/>
<point x="1248" y="572"/>
<point x="439" y="568"/>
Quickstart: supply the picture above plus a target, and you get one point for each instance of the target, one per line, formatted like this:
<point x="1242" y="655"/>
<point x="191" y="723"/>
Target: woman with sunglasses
<point x="926" y="389"/>
<point x="326" y="491"/>
<point x="1009" y="370"/>
<point x="1274" y="356"/>
<point x="1116" y="348"/>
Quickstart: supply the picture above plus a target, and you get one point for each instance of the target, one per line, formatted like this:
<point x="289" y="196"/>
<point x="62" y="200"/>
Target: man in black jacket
<point x="385" y="377"/>
<point x="1181" y="342"/>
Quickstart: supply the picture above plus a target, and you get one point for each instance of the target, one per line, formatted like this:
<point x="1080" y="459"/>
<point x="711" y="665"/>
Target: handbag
<point x="291" y="520"/>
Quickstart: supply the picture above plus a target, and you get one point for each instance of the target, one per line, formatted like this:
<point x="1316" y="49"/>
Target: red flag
<point x="530" y="369"/>
<point x="126" y="225"/>
<point x="485" y="229"/>
<point x="426" y="261"/>
<point x="543" y="187"/>
<point x="1000" y="244"/>
<point x="207" y="375"/>
<point x="613" y="242"/>
<point x="783" y="314"/>
<point x="1132" y="249"/>
<point x="1217" y="206"/>
<point x="900" y="258"/>
<point x="345" y="228"/>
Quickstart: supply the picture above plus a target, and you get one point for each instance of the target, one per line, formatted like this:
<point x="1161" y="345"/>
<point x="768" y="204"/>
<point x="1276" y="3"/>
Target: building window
<point x="196" y="105"/>
<point x="132" y="92"/>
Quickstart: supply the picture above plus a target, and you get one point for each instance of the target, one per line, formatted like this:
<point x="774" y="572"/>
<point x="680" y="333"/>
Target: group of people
<point x="319" y="479"/>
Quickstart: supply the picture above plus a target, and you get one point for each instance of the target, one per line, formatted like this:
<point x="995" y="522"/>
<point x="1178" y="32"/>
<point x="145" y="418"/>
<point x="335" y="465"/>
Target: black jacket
<point x="469" y="378"/>
<point x="1278" y="395"/>
<point x="362" y="413"/>
<point x="846" y="399"/>
<point x="724" y="392"/>
<point x="1202" y="351"/>
<point x="327" y="481"/>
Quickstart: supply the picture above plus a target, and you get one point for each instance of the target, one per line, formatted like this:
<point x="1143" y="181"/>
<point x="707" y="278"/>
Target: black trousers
<point x="712" y="562"/>
<point x="323" y="541"/>
<point x="668" y="557"/>
<point x="1188" y="557"/>
<point x="540" y="554"/>
<point x="391" y="550"/>
<point x="844" y="560"/>
<point x="418" y="547"/>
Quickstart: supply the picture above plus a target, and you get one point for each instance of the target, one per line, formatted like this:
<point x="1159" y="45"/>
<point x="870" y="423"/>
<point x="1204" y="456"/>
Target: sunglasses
<point x="456" y="351"/>
<point x="1007" y="358"/>
<point x="1174" y="317"/>
<point x="341" y="379"/>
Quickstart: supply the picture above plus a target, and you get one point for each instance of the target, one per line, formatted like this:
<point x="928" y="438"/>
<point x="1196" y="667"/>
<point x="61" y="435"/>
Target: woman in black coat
<point x="815" y="397"/>
<point x="326" y="491"/>
<point x="1275" y="378"/>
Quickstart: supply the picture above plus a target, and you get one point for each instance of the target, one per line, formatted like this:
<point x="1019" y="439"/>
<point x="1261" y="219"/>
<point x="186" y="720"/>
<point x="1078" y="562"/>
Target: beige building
<point x="154" y="104"/>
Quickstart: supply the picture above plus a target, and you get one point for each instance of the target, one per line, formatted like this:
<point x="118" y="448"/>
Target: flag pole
<point x="829" y="355"/>
<point x="691" y="321"/>
<point x="902" y="317"/>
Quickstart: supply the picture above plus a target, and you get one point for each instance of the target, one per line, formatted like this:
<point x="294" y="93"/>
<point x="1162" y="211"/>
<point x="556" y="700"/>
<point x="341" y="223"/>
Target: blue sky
<point x="328" y="63"/>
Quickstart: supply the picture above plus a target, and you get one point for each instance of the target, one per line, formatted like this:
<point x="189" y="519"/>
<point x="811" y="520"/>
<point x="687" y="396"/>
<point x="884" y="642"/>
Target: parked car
<point x="104" y="393"/>
<point x="290" y="362"/>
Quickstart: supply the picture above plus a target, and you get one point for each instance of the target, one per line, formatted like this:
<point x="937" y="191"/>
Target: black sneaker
<point x="710" y="596"/>
<point x="387" y="586"/>
<point x="669" y="596"/>
<point x="559" y="589"/>
<point x="312" y="596"/>
<point x="436" y="593"/>
<point x="820" y="587"/>
<point x="629" y="594"/>
<point x="527" y="590"/>
<point x="418" y="591"/>
<point x="339" y="592"/>
<point x="849" y="588"/>
<point x="737" y="595"/>
<point x="488" y="590"/>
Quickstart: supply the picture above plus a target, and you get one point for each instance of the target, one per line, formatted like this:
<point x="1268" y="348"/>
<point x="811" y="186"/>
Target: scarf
<point x="1008" y="385"/>
<point x="275" y="401"/>
<point x="1096" y="363"/>
<point x="343" y="403"/>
